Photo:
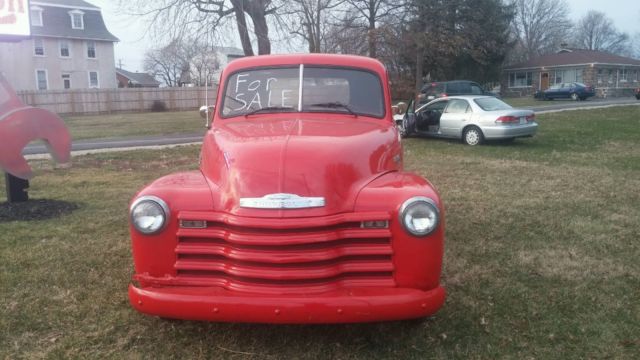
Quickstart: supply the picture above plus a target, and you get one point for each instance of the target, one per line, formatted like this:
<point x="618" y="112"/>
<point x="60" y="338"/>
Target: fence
<point x="98" y="101"/>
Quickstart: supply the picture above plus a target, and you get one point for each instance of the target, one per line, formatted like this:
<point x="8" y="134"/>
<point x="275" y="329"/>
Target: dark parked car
<point x="434" y="90"/>
<point x="575" y="91"/>
<point x="638" y="93"/>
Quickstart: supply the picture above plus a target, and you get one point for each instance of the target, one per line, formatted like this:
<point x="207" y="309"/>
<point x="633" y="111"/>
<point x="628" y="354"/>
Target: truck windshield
<point x="319" y="89"/>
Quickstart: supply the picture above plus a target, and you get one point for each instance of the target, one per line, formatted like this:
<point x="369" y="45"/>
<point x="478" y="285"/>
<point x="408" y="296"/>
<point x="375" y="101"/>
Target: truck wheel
<point x="472" y="136"/>
<point x="575" y="97"/>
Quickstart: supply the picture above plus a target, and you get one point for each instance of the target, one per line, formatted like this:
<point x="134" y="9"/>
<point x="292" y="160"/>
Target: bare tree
<point x="371" y="13"/>
<point x="168" y="62"/>
<point x="595" y="31"/>
<point x="203" y="65"/>
<point x="310" y="20"/>
<point x="198" y="18"/>
<point x="540" y="26"/>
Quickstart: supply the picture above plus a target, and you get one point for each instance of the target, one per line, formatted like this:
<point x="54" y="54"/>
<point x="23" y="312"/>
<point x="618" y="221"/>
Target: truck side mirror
<point x="205" y="113"/>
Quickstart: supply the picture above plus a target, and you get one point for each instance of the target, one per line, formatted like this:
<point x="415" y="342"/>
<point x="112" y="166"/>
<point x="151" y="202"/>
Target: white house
<point x="70" y="48"/>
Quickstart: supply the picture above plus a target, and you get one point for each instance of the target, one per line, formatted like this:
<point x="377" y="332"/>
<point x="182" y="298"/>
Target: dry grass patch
<point x="541" y="260"/>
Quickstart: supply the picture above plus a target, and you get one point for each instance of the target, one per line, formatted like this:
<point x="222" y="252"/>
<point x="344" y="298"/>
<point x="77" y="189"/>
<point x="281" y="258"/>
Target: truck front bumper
<point x="344" y="306"/>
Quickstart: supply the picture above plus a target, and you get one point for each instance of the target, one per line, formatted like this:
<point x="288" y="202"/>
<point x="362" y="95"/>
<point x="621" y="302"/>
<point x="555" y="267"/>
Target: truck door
<point x="456" y="115"/>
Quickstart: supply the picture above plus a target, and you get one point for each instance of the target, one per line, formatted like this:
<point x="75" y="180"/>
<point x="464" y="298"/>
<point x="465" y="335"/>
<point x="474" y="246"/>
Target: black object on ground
<point x="16" y="189"/>
<point x="38" y="209"/>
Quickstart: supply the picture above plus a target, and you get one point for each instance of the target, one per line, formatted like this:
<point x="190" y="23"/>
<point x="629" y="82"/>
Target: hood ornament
<point x="282" y="201"/>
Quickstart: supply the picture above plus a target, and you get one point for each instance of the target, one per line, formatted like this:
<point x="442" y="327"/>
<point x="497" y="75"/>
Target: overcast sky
<point x="133" y="42"/>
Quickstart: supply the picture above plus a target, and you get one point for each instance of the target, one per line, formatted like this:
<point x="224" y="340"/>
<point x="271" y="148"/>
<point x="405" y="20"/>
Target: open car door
<point x="408" y="126"/>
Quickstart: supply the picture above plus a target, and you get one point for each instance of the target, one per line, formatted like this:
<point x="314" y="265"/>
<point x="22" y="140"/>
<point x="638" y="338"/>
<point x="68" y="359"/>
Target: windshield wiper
<point x="335" y="105"/>
<point x="270" y="108"/>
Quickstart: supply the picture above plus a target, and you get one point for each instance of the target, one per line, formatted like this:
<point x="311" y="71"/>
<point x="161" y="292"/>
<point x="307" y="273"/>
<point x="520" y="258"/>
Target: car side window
<point x="457" y="106"/>
<point x="438" y="106"/>
<point x="453" y="88"/>
<point x="476" y="89"/>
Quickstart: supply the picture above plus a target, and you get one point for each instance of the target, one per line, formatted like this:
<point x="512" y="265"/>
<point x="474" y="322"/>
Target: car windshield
<point x="324" y="89"/>
<point x="492" y="104"/>
<point x="581" y="84"/>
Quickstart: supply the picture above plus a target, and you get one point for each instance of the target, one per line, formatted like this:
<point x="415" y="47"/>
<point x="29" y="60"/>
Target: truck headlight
<point x="419" y="216"/>
<point x="149" y="214"/>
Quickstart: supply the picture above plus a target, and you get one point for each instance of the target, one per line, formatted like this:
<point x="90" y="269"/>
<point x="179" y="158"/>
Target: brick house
<point x="611" y="75"/>
<point x="70" y="48"/>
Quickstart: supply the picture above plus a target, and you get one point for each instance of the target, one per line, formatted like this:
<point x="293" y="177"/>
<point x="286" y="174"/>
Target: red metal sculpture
<point x="19" y="125"/>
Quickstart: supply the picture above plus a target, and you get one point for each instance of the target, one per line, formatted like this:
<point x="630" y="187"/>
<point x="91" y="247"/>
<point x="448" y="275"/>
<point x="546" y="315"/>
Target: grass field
<point x="541" y="258"/>
<point x="134" y="124"/>
<point x="524" y="101"/>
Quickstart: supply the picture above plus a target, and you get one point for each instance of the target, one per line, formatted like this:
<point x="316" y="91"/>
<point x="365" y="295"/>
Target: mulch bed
<point x="36" y="209"/>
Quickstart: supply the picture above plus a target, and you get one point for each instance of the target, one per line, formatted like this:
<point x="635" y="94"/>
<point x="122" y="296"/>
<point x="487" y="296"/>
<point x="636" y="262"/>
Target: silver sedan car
<point x="472" y="118"/>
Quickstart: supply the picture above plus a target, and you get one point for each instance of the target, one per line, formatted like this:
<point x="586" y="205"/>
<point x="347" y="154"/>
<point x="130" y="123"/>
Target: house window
<point x="93" y="79"/>
<point x="42" y="83"/>
<point x="36" y="16"/>
<point x="38" y="47"/>
<point x="77" y="19"/>
<point x="66" y="81"/>
<point x="91" y="49"/>
<point x="65" y="48"/>
<point x="624" y="73"/>
<point x="520" y="79"/>
<point x="567" y="76"/>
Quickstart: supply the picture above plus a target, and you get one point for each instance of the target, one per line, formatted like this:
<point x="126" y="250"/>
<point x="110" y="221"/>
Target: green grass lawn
<point x="134" y="124"/>
<point x="523" y="101"/>
<point x="541" y="258"/>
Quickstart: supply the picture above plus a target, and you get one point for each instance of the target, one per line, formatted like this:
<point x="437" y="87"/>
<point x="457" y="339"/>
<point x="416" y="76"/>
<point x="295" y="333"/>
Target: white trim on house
<point x="74" y="13"/>
<point x="97" y="79"/>
<point x="39" y="10"/>
<point x="69" y="46"/>
<point x="547" y="67"/>
<point x="68" y="77"/>
<point x="44" y="50"/>
<point x="44" y="3"/>
<point x="95" y="50"/>
<point x="46" y="78"/>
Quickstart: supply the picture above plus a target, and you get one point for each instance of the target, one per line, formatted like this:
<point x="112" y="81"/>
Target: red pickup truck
<point x="300" y="211"/>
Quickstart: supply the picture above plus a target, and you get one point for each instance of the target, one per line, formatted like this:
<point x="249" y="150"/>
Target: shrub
<point x="158" y="106"/>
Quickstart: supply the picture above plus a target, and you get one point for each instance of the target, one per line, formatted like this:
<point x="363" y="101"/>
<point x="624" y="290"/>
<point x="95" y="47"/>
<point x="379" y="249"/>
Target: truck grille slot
<point x="289" y="259"/>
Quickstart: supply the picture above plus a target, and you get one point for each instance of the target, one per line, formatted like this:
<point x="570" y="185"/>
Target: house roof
<point x="228" y="50"/>
<point x="568" y="57"/>
<point x="143" y="79"/>
<point x="56" y="21"/>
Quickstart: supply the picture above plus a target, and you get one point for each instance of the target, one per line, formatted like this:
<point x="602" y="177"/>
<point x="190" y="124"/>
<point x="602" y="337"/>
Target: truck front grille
<point x="284" y="255"/>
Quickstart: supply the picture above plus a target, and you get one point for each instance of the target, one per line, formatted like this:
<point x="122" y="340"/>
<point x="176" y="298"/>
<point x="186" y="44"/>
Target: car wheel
<point x="575" y="97"/>
<point x="472" y="136"/>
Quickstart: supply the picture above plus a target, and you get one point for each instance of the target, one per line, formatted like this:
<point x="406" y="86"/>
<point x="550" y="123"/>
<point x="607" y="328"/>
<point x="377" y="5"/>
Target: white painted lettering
<point x="238" y="81"/>
<point x="285" y="98"/>
<point x="254" y="85"/>
<point x="239" y="98"/>
<point x="255" y="100"/>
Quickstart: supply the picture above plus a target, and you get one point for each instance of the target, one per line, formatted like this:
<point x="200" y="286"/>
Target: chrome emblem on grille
<point x="282" y="201"/>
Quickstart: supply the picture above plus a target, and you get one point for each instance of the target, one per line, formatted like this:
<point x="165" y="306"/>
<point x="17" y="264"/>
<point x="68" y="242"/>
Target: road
<point x="99" y="145"/>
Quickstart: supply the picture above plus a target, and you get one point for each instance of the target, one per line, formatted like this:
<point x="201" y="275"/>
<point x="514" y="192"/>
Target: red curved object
<point x="20" y="125"/>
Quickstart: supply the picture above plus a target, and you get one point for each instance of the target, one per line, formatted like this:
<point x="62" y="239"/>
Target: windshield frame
<point x="300" y="108"/>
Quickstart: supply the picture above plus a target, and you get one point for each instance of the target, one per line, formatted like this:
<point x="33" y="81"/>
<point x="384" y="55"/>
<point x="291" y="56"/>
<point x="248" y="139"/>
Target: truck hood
<point x="326" y="158"/>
